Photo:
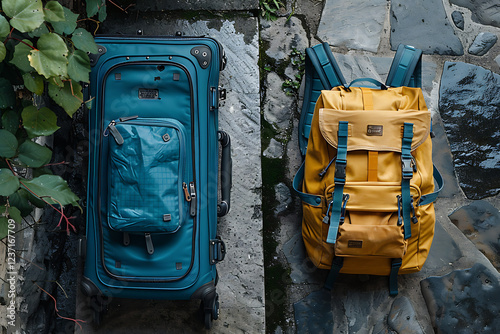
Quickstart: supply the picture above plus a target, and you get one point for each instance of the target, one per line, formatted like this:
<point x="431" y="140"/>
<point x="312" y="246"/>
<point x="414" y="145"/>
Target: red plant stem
<point x="56" y="164"/>
<point x="77" y="321"/>
<point x="61" y="212"/>
<point x="17" y="39"/>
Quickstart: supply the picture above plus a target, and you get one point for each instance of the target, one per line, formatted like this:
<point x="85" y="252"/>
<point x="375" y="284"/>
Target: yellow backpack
<point x="367" y="182"/>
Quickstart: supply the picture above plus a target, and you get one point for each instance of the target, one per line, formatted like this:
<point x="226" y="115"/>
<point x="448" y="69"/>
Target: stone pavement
<point x="266" y="282"/>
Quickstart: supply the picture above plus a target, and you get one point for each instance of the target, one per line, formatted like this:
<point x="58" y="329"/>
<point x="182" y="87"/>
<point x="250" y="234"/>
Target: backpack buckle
<point x="407" y="167"/>
<point x="340" y="174"/>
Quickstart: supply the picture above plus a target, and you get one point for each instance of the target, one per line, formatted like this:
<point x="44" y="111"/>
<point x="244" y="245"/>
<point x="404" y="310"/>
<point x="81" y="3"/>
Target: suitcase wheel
<point x="211" y="311"/>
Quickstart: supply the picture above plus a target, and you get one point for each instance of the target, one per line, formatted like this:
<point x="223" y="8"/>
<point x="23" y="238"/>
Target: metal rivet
<point x="127" y="58"/>
<point x="204" y="54"/>
<point x="147" y="57"/>
<point x="170" y="57"/>
<point x="196" y="51"/>
<point x="100" y="49"/>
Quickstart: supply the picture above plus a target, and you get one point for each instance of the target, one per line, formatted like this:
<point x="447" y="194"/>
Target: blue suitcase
<point x="154" y="188"/>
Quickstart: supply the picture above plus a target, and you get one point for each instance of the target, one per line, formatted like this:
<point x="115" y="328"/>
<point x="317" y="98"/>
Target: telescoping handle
<point x="226" y="174"/>
<point x="377" y="83"/>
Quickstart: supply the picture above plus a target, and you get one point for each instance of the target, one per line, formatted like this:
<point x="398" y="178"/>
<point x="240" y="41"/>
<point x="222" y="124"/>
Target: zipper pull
<point x="113" y="131"/>
<point x="186" y="192"/>
<point x="323" y="172"/>
<point x="129" y="118"/>
<point x="414" y="218"/>
<point x="192" y="189"/>
<point x="149" y="243"/>
<point x="345" y="198"/>
<point x="400" y="218"/>
<point x="326" y="218"/>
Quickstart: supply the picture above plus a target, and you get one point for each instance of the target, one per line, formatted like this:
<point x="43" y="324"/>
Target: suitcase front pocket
<point x="145" y="175"/>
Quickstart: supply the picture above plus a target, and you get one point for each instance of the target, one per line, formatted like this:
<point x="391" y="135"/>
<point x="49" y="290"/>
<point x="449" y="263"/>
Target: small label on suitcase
<point x="148" y="94"/>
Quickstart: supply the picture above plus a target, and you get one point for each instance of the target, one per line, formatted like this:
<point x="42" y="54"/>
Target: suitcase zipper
<point x="192" y="189"/>
<point x="187" y="195"/>
<point x="111" y="130"/>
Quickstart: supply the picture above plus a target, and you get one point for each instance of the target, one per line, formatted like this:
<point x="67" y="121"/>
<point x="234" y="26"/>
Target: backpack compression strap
<point x="322" y="73"/>
<point x="406" y="68"/>
<point x="339" y="179"/>
<point x="407" y="167"/>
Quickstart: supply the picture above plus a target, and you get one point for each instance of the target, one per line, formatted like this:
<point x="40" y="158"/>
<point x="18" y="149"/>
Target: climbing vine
<point x="45" y="53"/>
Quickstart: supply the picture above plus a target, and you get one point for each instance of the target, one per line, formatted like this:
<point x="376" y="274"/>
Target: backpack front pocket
<point x="382" y="238"/>
<point x="145" y="175"/>
<point x="372" y="224"/>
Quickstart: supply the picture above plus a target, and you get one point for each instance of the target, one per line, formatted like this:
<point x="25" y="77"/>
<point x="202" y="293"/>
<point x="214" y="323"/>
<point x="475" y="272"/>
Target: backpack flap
<point x="374" y="130"/>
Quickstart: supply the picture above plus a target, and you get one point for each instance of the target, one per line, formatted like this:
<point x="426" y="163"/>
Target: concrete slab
<point x="241" y="274"/>
<point x="160" y="5"/>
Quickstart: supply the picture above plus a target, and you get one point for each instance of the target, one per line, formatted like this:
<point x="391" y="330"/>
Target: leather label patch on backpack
<point x="375" y="130"/>
<point x="355" y="244"/>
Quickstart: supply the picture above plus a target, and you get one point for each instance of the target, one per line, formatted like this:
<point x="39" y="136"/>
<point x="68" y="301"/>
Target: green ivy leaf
<point x="39" y="122"/>
<point x="4" y="227"/>
<point x="4" y="27"/>
<point x="19" y="199"/>
<point x="93" y="7"/>
<point x="7" y="95"/>
<point x="12" y="213"/>
<point x="8" y="145"/>
<point x="79" y="66"/>
<point x="20" y="57"/>
<point x="102" y="14"/>
<point x="33" y="82"/>
<point x="84" y="40"/>
<point x="33" y="154"/>
<point x="56" y="81"/>
<point x="26" y="15"/>
<point x="9" y="183"/>
<point x="53" y="189"/>
<point x="50" y="58"/>
<point x="68" y="25"/>
<point x="54" y="12"/>
<point x="15" y="214"/>
<point x="69" y="99"/>
<point x="10" y="121"/>
<point x="39" y="31"/>
<point x="3" y="52"/>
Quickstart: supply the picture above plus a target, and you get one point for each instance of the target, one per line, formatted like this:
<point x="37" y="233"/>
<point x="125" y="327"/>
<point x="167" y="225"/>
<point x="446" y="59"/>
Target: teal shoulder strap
<point x="406" y="68"/>
<point x="322" y="72"/>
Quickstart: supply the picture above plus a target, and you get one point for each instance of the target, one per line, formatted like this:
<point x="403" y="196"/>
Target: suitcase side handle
<point x="226" y="174"/>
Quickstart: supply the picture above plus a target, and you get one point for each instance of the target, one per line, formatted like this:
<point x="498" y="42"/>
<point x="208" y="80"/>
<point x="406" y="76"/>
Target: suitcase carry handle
<point x="370" y="80"/>
<point x="226" y="174"/>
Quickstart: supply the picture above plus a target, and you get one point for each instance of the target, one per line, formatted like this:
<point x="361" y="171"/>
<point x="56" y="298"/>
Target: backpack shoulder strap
<point x="406" y="68"/>
<point x="322" y="72"/>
